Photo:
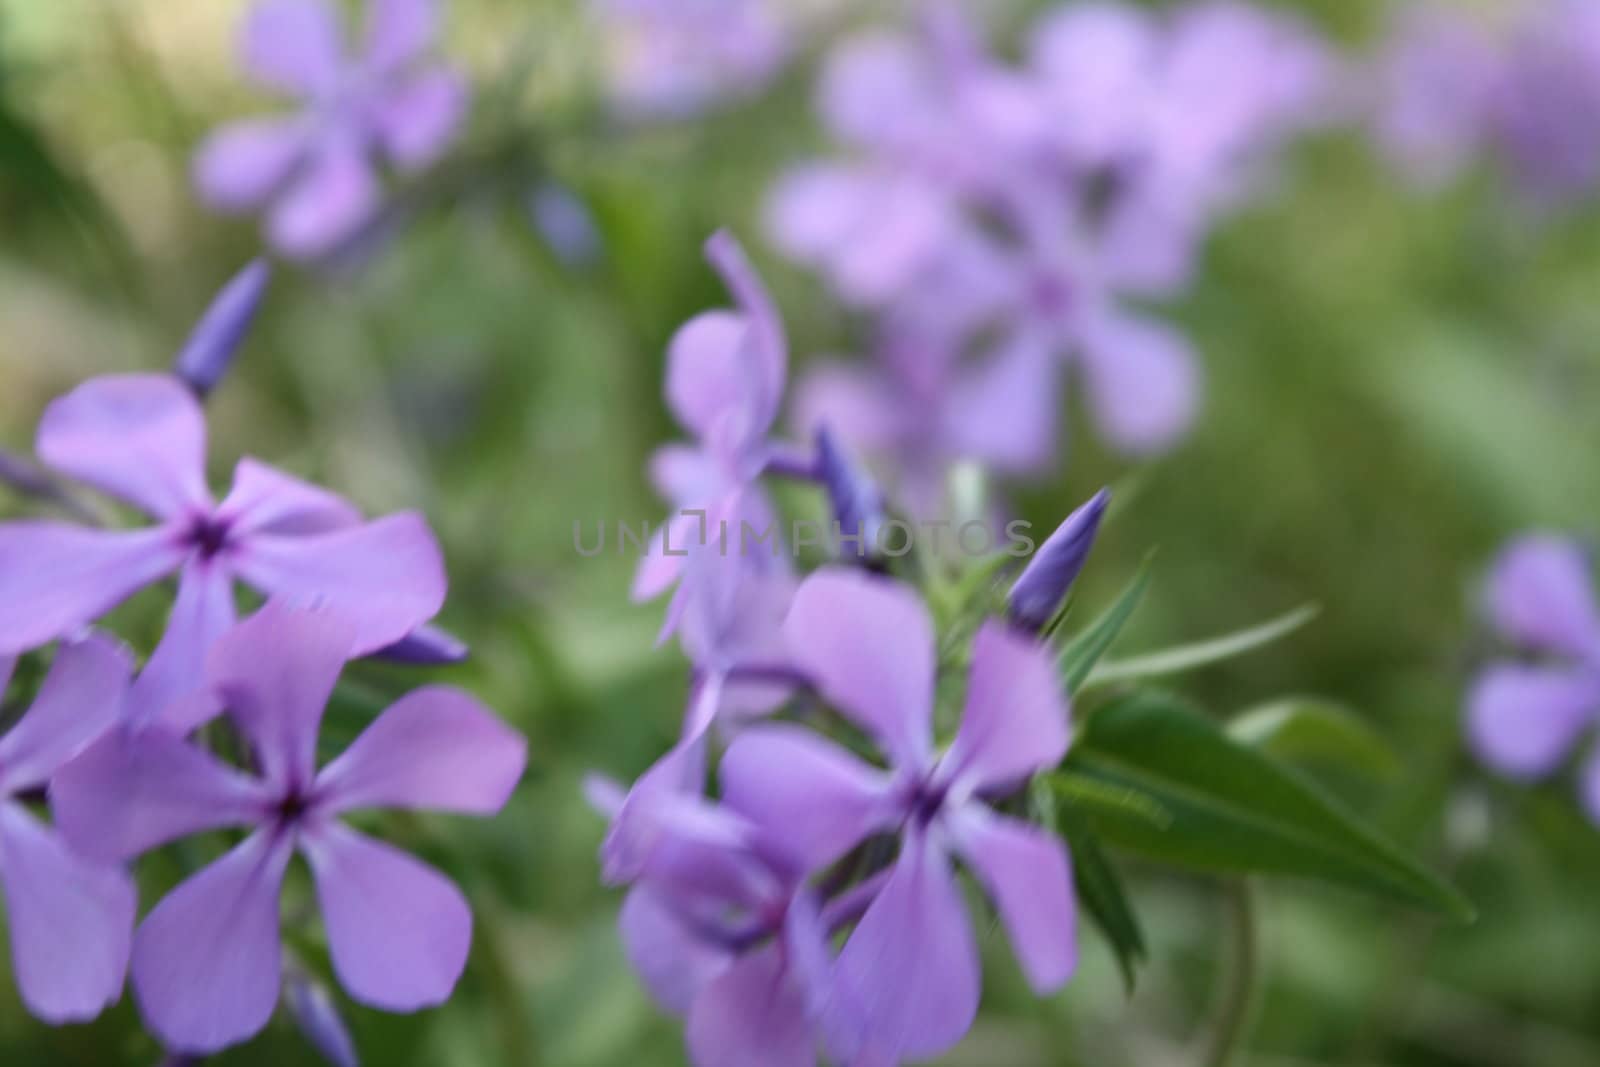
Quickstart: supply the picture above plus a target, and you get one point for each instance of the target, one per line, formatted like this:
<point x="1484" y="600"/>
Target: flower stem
<point x="1239" y="1000"/>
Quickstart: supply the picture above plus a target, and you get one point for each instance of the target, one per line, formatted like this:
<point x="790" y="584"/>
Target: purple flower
<point x="141" y="439"/>
<point x="671" y="59"/>
<point x="1037" y="594"/>
<point x="906" y="983"/>
<point x="207" y="959"/>
<point x="71" y="918"/>
<point x="722" y="930"/>
<point x="725" y="380"/>
<point x="313" y="171"/>
<point x="1525" y="718"/>
<point x="209" y="351"/>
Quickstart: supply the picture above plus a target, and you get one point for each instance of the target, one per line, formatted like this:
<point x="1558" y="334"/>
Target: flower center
<point x="926" y="801"/>
<point x="208" y="535"/>
<point x="1052" y="294"/>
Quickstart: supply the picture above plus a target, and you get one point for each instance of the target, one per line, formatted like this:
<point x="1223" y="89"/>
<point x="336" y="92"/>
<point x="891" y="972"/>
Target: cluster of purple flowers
<point x="1524" y="84"/>
<point x="117" y="755"/>
<point x="735" y="901"/>
<point x="313" y="172"/>
<point x="1005" y="222"/>
<point x="1525" y="717"/>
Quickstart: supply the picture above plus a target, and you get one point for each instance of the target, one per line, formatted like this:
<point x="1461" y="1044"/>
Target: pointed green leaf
<point x="1100" y="892"/>
<point x="1234" y="809"/>
<point x="1091" y="794"/>
<point x="1308" y="731"/>
<point x="1079" y="655"/>
<point x="1202" y="653"/>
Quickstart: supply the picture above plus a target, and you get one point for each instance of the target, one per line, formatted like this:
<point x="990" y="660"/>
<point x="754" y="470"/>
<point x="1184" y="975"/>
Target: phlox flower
<point x="313" y="171"/>
<point x="141" y="439"/>
<point x="906" y="983"/>
<point x="71" y="917"/>
<point x="672" y="59"/>
<point x="207" y="963"/>
<point x="1525" y="718"/>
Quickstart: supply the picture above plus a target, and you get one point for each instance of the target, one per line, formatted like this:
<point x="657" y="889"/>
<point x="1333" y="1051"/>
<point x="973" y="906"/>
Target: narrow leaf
<point x="1083" y="792"/>
<point x="1308" y="731"/>
<point x="1101" y="893"/>
<point x="1235" y="809"/>
<point x="1080" y="654"/>
<point x="1202" y="653"/>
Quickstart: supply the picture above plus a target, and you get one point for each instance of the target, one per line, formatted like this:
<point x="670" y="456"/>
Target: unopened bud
<point x="209" y="351"/>
<point x="1046" y="580"/>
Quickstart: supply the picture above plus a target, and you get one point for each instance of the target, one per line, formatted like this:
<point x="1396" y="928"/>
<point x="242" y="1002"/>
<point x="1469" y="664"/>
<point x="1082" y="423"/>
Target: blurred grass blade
<point x="1080" y="654"/>
<point x="1201" y="653"/>
<point x="1234" y="809"/>
<point x="1313" y="732"/>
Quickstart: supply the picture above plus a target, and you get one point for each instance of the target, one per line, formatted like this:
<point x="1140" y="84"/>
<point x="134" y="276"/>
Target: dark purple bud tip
<point x="565" y="223"/>
<point x="209" y="351"/>
<point x="858" y="504"/>
<point x="1046" y="580"/>
<point x="426" y="646"/>
<point x="317" y="1017"/>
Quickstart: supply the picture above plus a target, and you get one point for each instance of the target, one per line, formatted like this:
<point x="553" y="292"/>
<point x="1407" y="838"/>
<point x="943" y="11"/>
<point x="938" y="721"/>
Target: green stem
<point x="1239" y="1001"/>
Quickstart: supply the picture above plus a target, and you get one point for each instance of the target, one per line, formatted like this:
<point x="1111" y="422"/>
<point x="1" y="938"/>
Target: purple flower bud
<point x="318" y="1018"/>
<point x="1044" y="583"/>
<point x="209" y="351"/>
<point x="858" y="506"/>
<point x="565" y="223"/>
<point x="426" y="646"/>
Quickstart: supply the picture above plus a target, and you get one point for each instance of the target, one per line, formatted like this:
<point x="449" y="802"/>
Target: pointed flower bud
<point x="317" y="1017"/>
<point x="209" y="351"/>
<point x="1044" y="583"/>
<point x="426" y="646"/>
<point x="858" y="506"/>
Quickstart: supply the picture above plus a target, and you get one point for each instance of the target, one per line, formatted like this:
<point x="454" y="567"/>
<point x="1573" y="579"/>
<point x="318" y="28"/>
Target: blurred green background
<point x="1395" y="384"/>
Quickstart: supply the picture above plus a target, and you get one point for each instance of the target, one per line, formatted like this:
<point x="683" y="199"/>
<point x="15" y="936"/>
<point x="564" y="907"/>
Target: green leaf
<point x="1202" y="653"/>
<point x="1309" y="731"/>
<point x="1100" y="892"/>
<point x="1080" y="654"/>
<point x="1234" y="809"/>
<point x="1083" y="792"/>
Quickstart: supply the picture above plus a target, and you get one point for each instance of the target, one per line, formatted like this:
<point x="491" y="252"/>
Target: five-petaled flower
<point x="71" y="917"/>
<point x="1524" y="719"/>
<point x="906" y="983"/>
<point x="207" y="959"/>
<point x="141" y="439"/>
<point x="316" y="166"/>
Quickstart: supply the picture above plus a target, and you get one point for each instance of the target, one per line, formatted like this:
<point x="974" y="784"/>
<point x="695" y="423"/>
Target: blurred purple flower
<point x="141" y="438"/>
<point x="906" y="984"/>
<point x="313" y="172"/>
<point x="207" y="960"/>
<point x="1530" y="89"/>
<point x="1044" y="583"/>
<point x="672" y="59"/>
<point x="721" y="929"/>
<point x="1525" y="718"/>
<point x="725" y="379"/>
<point x="208" y="353"/>
<point x="71" y="918"/>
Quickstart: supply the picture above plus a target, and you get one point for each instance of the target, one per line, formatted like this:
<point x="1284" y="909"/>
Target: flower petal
<point x="418" y="118"/>
<point x="906" y="984"/>
<point x="1541" y="594"/>
<point x="855" y="402"/>
<point x="435" y="748"/>
<point x="674" y="963"/>
<point x="753" y="1012"/>
<point x="398" y="31"/>
<point x="265" y="499"/>
<point x="768" y="347"/>
<point x="333" y="196"/>
<point x="242" y="164"/>
<point x="666" y="557"/>
<point x="813" y="797"/>
<point x="71" y="922"/>
<point x="80" y="698"/>
<point x="206" y="961"/>
<point x="1523" y="721"/>
<point x="398" y="930"/>
<point x="1589" y="787"/>
<point x="202" y="613"/>
<point x="1143" y="383"/>
<point x="1015" y="720"/>
<point x="1003" y="413"/>
<point x="1028" y="875"/>
<point x="294" y="45"/>
<point x="56" y="578"/>
<point x="868" y="646"/>
<point x="707" y="372"/>
<point x="275" y="672"/>
<point x="139" y="437"/>
<point x="385" y="577"/>
<point x="135" y="789"/>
